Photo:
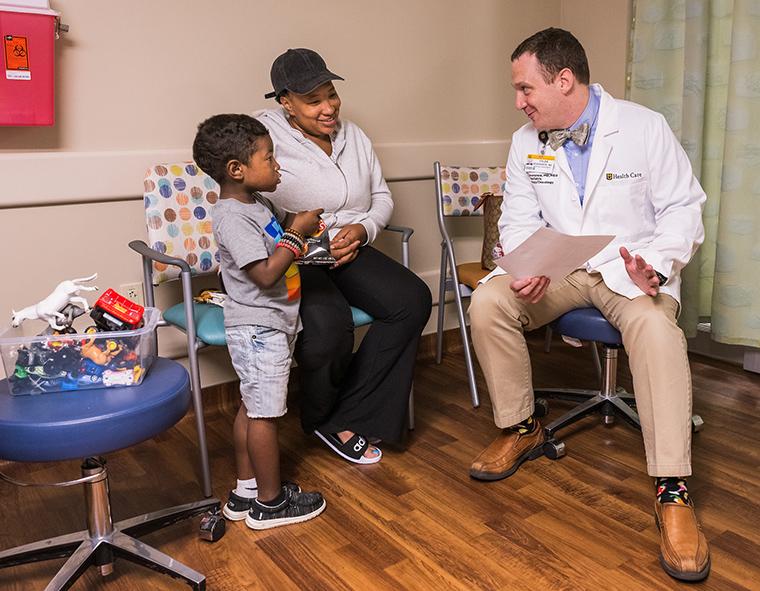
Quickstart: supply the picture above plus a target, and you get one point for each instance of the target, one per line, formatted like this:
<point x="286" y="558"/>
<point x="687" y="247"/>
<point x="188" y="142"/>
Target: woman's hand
<point x="345" y="245"/>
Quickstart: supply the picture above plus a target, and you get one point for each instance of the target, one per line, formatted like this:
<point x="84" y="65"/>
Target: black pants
<point x="367" y="392"/>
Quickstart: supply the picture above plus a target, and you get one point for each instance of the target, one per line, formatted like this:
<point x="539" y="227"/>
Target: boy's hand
<point x="307" y="222"/>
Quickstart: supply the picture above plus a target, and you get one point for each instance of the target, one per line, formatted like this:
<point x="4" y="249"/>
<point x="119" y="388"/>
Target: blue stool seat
<point x="86" y="424"/>
<point x="82" y="423"/>
<point x="587" y="324"/>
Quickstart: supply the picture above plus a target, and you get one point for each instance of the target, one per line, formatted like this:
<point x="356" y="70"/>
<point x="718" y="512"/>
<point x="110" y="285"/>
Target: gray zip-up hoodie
<point x="348" y="185"/>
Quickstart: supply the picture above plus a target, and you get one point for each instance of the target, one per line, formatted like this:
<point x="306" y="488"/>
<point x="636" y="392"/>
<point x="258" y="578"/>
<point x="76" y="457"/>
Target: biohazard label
<point x="16" y="58"/>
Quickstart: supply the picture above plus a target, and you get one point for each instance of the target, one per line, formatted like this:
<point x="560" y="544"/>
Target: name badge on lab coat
<point x="539" y="163"/>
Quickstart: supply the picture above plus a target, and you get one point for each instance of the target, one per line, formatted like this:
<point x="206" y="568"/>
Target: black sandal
<point x="352" y="450"/>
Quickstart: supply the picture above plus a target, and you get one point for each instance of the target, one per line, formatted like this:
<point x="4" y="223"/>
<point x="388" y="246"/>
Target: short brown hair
<point x="556" y="49"/>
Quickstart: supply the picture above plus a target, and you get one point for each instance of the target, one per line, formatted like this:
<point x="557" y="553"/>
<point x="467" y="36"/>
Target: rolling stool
<point x="86" y="424"/>
<point x="588" y="324"/>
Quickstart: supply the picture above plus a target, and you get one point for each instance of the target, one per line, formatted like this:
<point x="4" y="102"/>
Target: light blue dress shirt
<point x="579" y="156"/>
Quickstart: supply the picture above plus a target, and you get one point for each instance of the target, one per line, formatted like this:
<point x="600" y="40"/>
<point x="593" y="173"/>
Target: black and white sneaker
<point x="294" y="508"/>
<point x="237" y="507"/>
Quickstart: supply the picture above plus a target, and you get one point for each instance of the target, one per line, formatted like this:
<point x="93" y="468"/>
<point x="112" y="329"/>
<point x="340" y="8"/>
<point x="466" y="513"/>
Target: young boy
<point x="260" y="313"/>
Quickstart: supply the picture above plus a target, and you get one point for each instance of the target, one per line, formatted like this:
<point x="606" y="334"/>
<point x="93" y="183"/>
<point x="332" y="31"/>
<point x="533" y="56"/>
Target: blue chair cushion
<point x="77" y="424"/>
<point x="587" y="324"/>
<point x="360" y="317"/>
<point x="209" y="322"/>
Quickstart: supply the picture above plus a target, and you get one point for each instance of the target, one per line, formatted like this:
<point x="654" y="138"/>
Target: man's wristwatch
<point x="662" y="278"/>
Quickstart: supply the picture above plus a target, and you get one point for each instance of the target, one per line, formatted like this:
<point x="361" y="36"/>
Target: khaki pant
<point x="655" y="345"/>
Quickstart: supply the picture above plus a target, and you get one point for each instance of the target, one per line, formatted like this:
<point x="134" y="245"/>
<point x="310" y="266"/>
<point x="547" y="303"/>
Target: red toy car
<point x="115" y="312"/>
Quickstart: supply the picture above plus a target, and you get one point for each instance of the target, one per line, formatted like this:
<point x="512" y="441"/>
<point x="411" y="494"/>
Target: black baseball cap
<point x="300" y="71"/>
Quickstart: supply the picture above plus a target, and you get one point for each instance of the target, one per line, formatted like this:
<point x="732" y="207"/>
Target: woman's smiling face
<point x="315" y="113"/>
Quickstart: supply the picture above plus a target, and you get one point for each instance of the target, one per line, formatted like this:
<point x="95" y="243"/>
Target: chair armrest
<point x="406" y="233"/>
<point x="146" y="251"/>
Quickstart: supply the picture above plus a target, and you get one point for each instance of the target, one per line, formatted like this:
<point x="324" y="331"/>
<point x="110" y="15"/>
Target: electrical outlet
<point x="134" y="292"/>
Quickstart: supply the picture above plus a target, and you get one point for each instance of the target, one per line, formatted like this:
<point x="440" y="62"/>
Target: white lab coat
<point x="639" y="187"/>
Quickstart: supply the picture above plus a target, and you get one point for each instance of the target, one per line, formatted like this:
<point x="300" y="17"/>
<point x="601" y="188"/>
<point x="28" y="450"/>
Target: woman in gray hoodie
<point x="346" y="400"/>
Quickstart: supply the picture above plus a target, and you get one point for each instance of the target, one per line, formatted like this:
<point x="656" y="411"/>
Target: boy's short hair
<point x="556" y="49"/>
<point x="222" y="138"/>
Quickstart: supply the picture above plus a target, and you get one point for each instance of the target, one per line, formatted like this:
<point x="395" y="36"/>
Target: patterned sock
<point x="247" y="489"/>
<point x="524" y="427"/>
<point x="672" y="489"/>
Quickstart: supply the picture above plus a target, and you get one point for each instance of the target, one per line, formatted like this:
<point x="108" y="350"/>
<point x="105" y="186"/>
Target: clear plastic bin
<point x="35" y="364"/>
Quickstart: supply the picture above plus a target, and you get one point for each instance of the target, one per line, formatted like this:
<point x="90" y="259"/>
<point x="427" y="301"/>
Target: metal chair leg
<point x="73" y="568"/>
<point x="597" y="362"/>
<point x="102" y="539"/>
<point x="195" y="383"/>
<point x="150" y="522"/>
<point x="548" y="339"/>
<point x="441" y="306"/>
<point x="134" y="550"/>
<point x="411" y="409"/>
<point x="58" y="547"/>
<point x="463" y="331"/>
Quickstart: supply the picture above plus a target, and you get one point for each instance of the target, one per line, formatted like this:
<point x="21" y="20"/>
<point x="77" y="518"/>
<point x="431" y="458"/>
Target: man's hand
<point x="345" y="245"/>
<point x="531" y="289"/>
<point x="641" y="273"/>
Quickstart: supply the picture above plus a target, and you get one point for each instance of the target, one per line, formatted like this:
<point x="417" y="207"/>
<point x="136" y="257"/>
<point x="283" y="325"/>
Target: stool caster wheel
<point x="212" y="526"/>
<point x="554" y="449"/>
<point x="540" y="408"/>
<point x="696" y="423"/>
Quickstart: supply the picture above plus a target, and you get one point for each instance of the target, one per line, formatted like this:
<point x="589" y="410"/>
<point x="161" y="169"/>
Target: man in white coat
<point x="590" y="164"/>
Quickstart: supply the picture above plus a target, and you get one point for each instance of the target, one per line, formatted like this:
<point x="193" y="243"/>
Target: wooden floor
<point x="416" y="520"/>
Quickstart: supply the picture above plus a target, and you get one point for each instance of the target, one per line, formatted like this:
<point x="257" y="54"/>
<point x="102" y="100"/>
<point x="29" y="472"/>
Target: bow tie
<point x="557" y="137"/>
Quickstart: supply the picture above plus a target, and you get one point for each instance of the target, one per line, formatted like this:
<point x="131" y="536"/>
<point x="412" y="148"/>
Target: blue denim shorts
<point x="261" y="357"/>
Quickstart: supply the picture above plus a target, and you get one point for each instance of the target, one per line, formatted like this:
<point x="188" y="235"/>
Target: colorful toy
<point x="211" y="296"/>
<point x="49" y="309"/>
<point x="113" y="311"/>
<point x="85" y="358"/>
<point x="91" y="351"/>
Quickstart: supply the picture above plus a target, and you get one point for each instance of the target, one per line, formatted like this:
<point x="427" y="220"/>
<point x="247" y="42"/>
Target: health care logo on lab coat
<point x="617" y="176"/>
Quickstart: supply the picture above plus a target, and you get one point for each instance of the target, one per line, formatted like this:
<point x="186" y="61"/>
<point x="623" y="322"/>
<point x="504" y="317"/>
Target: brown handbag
<point x="491" y="212"/>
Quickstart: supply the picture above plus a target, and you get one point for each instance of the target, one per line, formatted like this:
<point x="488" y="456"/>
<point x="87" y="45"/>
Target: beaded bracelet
<point x="290" y="241"/>
<point x="299" y="243"/>
<point x="295" y="232"/>
<point x="294" y="236"/>
<point x="290" y="247"/>
<point x="288" y="235"/>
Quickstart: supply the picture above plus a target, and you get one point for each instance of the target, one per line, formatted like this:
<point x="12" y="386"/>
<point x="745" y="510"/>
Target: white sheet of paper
<point x="549" y="253"/>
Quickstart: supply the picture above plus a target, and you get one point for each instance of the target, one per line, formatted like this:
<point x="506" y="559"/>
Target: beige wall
<point x="427" y="79"/>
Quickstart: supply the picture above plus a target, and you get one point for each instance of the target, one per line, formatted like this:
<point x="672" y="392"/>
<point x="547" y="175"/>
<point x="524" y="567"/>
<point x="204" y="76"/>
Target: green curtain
<point x="698" y="63"/>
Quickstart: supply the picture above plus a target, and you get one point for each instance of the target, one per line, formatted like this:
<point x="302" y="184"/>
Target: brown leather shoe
<point x="505" y="454"/>
<point x="683" y="547"/>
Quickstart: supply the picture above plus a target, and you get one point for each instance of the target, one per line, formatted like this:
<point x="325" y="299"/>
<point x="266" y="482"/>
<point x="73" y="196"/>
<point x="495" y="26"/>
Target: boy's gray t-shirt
<point x="244" y="233"/>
